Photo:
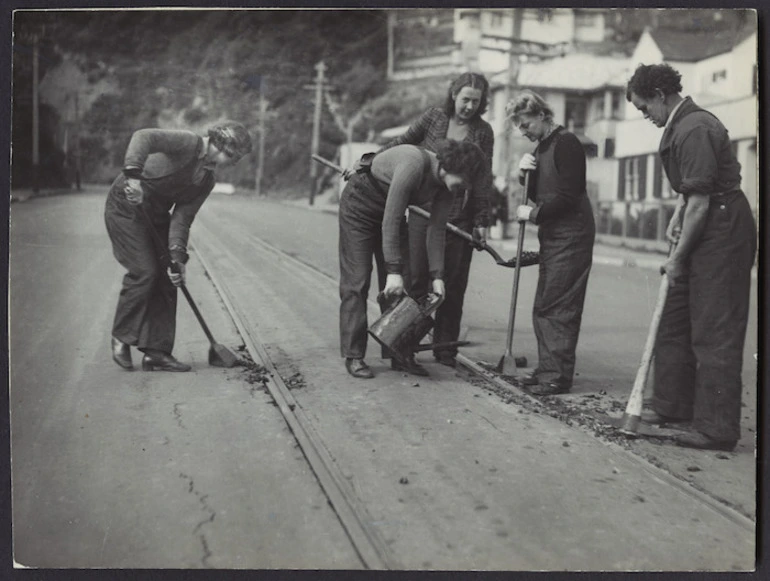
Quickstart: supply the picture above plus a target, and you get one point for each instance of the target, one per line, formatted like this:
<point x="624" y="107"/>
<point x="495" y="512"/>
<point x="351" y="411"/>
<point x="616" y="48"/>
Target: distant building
<point x="631" y="196"/>
<point x="719" y="72"/>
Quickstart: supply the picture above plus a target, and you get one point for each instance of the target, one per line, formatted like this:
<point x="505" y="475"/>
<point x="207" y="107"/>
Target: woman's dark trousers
<point x="360" y="240"/>
<point x="146" y="313"/>
<point x="457" y="265"/>
<point x="699" y="347"/>
<point x="566" y="253"/>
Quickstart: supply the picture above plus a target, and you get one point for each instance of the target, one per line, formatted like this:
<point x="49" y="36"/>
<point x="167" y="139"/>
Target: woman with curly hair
<point x="566" y="232"/>
<point x="699" y="347"/>
<point x="169" y="173"/>
<point x="371" y="223"/>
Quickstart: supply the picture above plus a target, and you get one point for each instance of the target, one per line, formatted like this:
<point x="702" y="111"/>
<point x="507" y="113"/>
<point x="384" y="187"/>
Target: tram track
<point x="370" y="546"/>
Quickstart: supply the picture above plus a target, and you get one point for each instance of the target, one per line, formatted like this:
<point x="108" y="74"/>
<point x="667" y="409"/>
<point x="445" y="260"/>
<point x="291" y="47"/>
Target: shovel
<point x="523" y="258"/>
<point x="508" y="362"/>
<point x="527" y="259"/>
<point x="219" y="355"/>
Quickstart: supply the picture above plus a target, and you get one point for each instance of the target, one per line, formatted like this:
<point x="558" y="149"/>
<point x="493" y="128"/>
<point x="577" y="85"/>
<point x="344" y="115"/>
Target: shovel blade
<point x="221" y="356"/>
<point x="508" y="364"/>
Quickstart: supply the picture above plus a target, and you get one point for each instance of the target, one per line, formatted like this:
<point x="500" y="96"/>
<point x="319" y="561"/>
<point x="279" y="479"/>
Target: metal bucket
<point x="404" y="324"/>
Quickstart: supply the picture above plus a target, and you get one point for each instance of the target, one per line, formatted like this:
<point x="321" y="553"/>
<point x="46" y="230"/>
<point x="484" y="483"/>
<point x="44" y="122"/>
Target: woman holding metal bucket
<point x="566" y="231"/>
<point x="371" y="224"/>
<point x="167" y="175"/>
<point x="459" y="119"/>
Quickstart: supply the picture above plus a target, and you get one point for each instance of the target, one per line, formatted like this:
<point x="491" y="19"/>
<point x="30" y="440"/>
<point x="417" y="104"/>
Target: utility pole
<point x="35" y="118"/>
<point x="320" y="69"/>
<point x="261" y="151"/>
<point x="77" y="140"/>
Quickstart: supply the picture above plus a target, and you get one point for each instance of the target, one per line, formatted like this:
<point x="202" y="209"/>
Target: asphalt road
<point x="114" y="469"/>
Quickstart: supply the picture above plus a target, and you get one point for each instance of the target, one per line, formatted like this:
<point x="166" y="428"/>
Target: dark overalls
<point x="361" y="212"/>
<point x="146" y="313"/>
<point x="699" y="347"/>
<point x="566" y="255"/>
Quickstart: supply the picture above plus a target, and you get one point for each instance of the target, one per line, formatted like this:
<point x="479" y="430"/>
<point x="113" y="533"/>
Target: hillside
<point x="133" y="69"/>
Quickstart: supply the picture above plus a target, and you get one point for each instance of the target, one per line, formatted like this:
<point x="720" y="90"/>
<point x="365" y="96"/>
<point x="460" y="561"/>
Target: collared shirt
<point x="696" y="153"/>
<point x="671" y="115"/>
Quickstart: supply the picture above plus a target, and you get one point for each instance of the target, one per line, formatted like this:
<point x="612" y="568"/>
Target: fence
<point x="639" y="223"/>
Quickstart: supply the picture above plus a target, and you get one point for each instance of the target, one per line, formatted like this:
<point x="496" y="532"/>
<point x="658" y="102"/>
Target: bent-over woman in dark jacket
<point x="169" y="173"/>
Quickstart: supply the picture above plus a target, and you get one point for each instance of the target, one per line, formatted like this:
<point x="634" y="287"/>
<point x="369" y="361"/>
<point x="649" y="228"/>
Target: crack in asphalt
<point x="202" y="500"/>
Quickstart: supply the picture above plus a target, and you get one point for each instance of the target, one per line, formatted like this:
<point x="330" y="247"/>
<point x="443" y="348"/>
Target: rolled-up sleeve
<point x="698" y="163"/>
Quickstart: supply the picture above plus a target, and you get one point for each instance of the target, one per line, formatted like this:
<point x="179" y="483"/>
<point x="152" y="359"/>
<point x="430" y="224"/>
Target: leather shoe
<point x="527" y="379"/>
<point x="358" y="368"/>
<point x="121" y="354"/>
<point x="704" y="442"/>
<point x="446" y="359"/>
<point x="555" y="387"/>
<point x="411" y="367"/>
<point x="160" y="361"/>
<point x="654" y="418"/>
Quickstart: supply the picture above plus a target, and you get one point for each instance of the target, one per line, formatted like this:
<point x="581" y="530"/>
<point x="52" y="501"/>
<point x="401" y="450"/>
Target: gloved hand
<point x="523" y="212"/>
<point x="438" y="287"/>
<point x="527" y="163"/>
<point x="394" y="286"/>
<point x="134" y="192"/>
<point x="176" y="273"/>
<point x="480" y="237"/>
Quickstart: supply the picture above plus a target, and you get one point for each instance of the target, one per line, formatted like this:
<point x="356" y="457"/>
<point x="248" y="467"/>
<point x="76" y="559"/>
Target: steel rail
<point x="365" y="539"/>
<point x="493" y="380"/>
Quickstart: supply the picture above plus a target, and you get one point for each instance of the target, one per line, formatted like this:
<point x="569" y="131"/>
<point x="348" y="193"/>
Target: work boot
<point x="357" y="368"/>
<point x="411" y="367"/>
<point x="654" y="418"/>
<point x="445" y="359"/>
<point x="155" y="360"/>
<point x="701" y="441"/>
<point x="121" y="354"/>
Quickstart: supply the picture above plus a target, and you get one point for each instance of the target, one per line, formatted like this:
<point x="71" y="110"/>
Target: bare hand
<point x="394" y="286"/>
<point x="674" y="269"/>
<point x="134" y="192"/>
<point x="176" y="273"/>
<point x="348" y="173"/>
<point x="480" y="237"/>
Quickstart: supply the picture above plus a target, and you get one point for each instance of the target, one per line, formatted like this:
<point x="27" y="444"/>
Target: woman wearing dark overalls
<point x="459" y="119"/>
<point x="170" y="173"/>
<point x="371" y="221"/>
<point x="566" y="232"/>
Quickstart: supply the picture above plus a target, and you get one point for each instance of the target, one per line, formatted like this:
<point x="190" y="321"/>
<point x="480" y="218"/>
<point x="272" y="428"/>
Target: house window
<point x="666" y="191"/>
<point x="632" y="185"/>
<point x="495" y="20"/>
<point x="718" y="76"/>
<point x="575" y="114"/>
<point x="617" y="104"/>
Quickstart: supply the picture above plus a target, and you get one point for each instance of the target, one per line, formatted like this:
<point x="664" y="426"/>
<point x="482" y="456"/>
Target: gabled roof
<point x="689" y="47"/>
<point x="576" y="72"/>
